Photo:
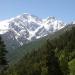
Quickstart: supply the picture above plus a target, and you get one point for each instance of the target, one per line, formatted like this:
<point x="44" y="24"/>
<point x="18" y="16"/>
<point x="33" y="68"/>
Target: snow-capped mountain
<point x="27" y="27"/>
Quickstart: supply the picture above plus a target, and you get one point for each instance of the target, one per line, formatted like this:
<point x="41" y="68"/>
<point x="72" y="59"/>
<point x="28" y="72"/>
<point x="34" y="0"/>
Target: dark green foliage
<point x="64" y="59"/>
<point x="52" y="61"/>
<point x="3" y="62"/>
<point x="2" y="53"/>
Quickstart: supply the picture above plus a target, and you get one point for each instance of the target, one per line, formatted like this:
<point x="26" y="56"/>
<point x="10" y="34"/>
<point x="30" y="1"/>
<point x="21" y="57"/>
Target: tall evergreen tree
<point x="52" y="61"/>
<point x="64" y="59"/>
<point x="3" y="62"/>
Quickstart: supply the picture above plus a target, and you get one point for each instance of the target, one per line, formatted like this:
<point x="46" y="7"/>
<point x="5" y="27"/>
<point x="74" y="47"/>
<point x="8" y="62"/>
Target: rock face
<point x="26" y="27"/>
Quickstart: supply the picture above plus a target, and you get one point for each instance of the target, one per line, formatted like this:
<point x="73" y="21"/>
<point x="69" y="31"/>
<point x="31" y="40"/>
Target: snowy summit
<point x="28" y="27"/>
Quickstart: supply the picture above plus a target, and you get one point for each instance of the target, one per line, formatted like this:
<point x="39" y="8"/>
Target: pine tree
<point x="64" y="58"/>
<point x="52" y="61"/>
<point x="3" y="62"/>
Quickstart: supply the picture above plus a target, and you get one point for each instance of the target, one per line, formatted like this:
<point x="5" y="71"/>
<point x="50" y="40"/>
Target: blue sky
<point x="62" y="9"/>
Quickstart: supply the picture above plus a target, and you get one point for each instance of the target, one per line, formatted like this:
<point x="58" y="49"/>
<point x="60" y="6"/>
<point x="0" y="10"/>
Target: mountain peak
<point x="51" y="17"/>
<point x="27" y="27"/>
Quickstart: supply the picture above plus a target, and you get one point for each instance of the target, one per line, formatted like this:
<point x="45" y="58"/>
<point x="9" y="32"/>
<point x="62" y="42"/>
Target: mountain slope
<point x="16" y="54"/>
<point x="36" y="62"/>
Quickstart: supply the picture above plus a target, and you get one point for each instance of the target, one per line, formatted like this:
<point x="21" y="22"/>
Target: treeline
<point x="55" y="57"/>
